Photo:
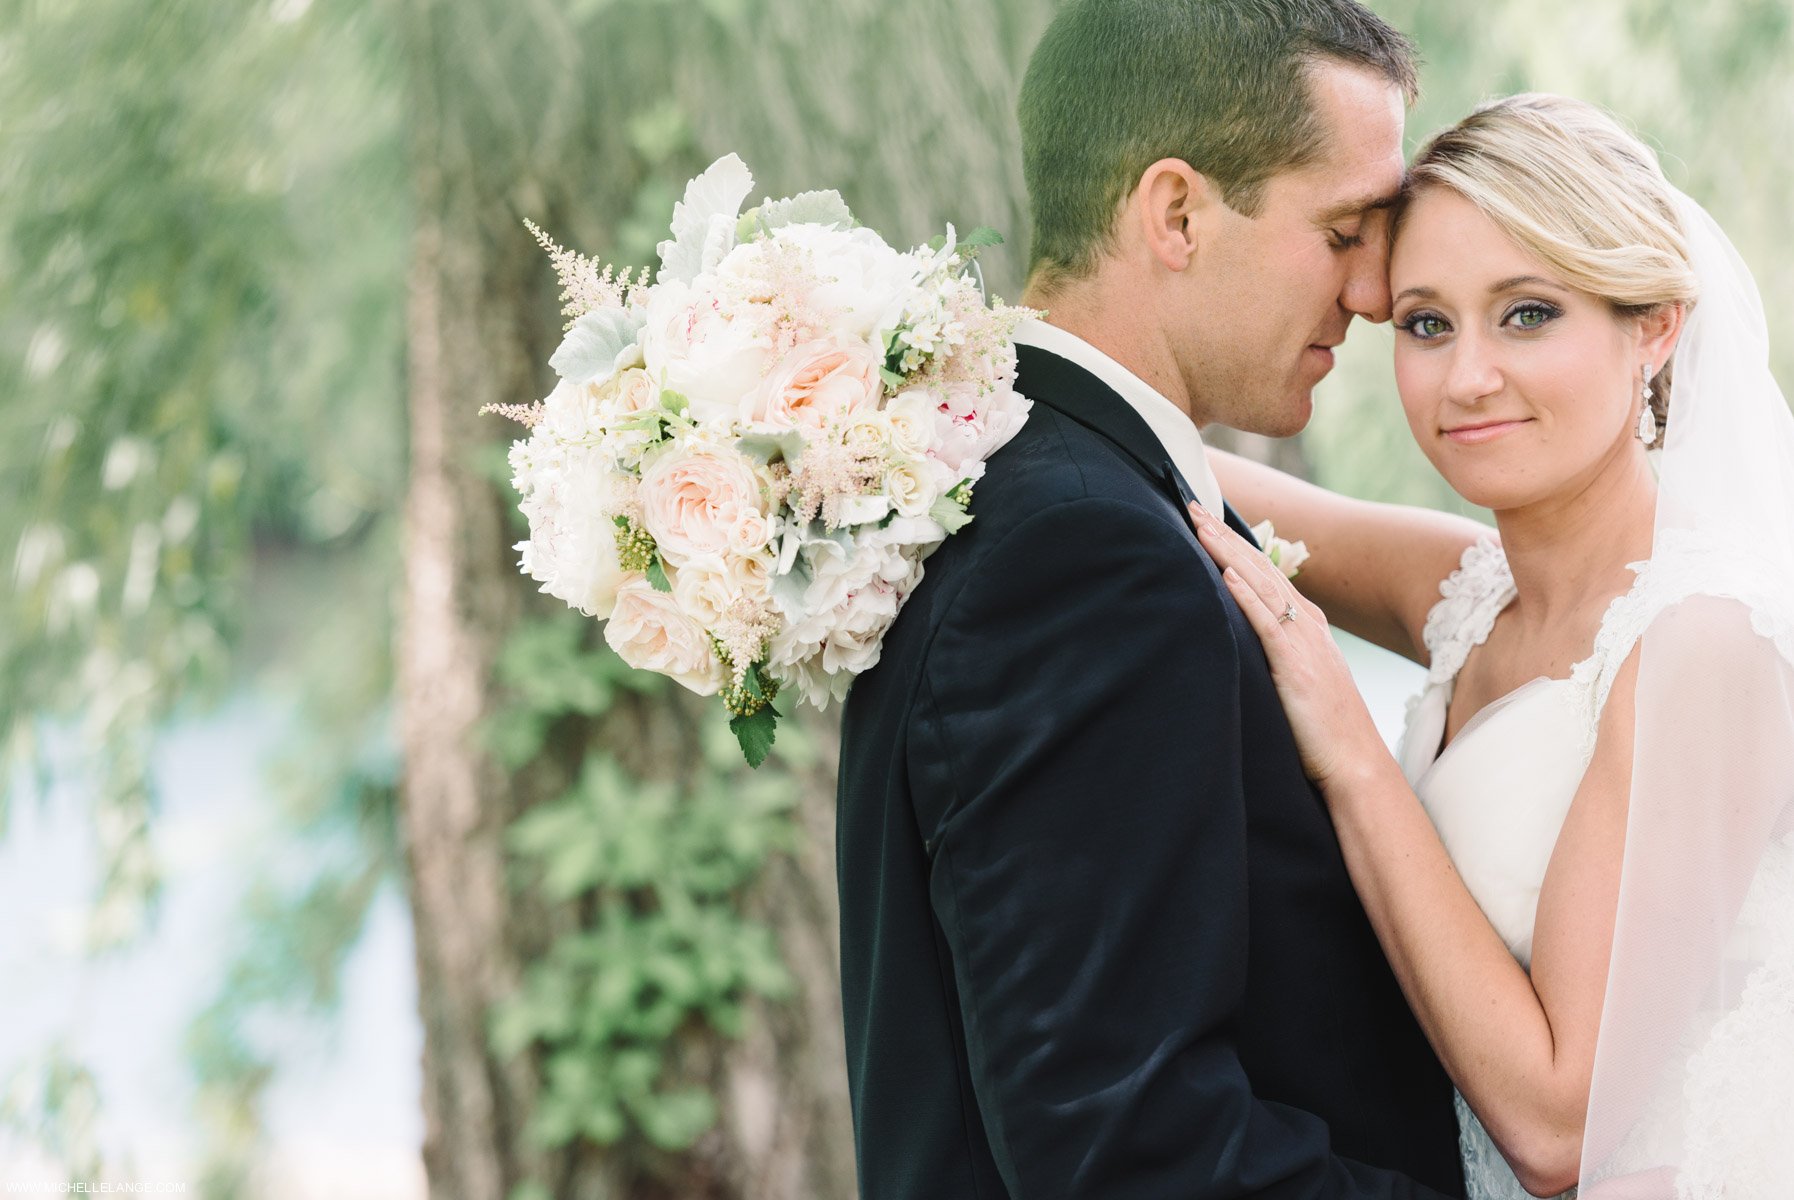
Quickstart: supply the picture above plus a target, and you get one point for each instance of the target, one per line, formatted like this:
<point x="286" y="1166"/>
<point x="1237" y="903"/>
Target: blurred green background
<point x="322" y="837"/>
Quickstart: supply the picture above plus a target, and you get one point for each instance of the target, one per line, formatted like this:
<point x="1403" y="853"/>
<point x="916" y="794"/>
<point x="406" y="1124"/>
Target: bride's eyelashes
<point x="1527" y="316"/>
<point x="1424" y="326"/>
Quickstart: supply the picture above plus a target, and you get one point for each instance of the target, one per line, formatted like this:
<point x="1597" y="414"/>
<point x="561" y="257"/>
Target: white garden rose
<point x="633" y="393"/>
<point x="751" y="532"/>
<point x="712" y="355"/>
<point x="816" y="383"/>
<point x="702" y="592"/>
<point x="706" y="587"/>
<point x="693" y="496"/>
<point x="649" y="631"/>
<point x="866" y="432"/>
<point x="911" y="486"/>
<point x="910" y="415"/>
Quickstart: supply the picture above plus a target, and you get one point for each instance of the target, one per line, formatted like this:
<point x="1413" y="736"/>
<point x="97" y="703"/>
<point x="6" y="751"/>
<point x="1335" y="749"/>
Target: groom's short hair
<point x="1116" y="85"/>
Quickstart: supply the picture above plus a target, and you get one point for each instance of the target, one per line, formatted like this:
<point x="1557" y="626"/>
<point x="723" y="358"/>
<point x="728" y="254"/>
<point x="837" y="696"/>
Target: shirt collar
<point x="1169" y="423"/>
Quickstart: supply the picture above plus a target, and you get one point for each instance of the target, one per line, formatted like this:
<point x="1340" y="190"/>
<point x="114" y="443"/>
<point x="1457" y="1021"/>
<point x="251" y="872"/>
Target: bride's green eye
<point x="1425" y="326"/>
<point x="1534" y="316"/>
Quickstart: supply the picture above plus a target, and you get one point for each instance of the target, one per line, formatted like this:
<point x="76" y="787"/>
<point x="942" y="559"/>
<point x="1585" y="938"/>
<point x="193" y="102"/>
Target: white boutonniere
<point x="1286" y="556"/>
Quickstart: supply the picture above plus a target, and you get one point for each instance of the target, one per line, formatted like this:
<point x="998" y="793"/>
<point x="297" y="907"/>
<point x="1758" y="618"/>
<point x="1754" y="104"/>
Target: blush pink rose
<point x="815" y="383"/>
<point x="649" y="631"/>
<point x="694" y="499"/>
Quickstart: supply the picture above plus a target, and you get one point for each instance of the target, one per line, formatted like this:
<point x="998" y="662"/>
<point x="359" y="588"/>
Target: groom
<point x="1097" y="936"/>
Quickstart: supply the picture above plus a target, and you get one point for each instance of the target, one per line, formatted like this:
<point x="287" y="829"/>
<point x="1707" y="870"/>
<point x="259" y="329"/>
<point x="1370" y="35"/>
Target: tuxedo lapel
<point x="1073" y="392"/>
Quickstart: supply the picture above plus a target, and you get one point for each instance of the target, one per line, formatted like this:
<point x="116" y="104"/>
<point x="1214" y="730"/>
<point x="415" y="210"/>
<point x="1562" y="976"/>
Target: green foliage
<point x="52" y="1102"/>
<point x="670" y="951"/>
<point x="555" y="666"/>
<point x="756" y="732"/>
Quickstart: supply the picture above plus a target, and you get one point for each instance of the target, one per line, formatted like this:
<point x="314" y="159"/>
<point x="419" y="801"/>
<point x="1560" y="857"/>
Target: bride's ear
<point x="1658" y="330"/>
<point x="1170" y="204"/>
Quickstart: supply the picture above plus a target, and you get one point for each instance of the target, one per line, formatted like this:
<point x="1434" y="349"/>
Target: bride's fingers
<point x="1258" y="614"/>
<point x="1231" y="550"/>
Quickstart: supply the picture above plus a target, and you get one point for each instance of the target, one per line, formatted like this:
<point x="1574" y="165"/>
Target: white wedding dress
<point x="1499" y="792"/>
<point x="1498" y="795"/>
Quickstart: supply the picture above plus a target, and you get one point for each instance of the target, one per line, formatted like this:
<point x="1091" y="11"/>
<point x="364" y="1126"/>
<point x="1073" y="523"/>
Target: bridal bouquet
<point x="746" y="461"/>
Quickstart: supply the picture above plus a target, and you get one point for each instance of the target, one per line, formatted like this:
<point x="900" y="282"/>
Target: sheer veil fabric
<point x="1693" y="1090"/>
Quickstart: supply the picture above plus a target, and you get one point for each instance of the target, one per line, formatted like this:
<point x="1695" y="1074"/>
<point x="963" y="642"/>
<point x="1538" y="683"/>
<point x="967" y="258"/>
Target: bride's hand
<point x="1333" y="729"/>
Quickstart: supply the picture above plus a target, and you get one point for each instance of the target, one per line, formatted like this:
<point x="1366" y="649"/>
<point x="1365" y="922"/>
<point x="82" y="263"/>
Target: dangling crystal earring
<point x="1647" y="420"/>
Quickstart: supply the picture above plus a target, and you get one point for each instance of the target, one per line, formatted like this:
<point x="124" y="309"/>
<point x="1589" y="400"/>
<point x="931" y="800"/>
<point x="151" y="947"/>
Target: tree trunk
<point x="506" y="119"/>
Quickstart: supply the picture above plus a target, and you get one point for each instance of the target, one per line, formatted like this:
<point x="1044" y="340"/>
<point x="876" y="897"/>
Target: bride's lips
<point x="1471" y="435"/>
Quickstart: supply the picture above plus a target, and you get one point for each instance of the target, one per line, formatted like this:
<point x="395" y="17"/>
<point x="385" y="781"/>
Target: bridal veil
<point x="1693" y="1089"/>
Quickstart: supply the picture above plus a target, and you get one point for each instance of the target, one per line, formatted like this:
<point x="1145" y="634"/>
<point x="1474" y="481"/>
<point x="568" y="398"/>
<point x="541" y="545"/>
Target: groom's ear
<point x="1170" y="204"/>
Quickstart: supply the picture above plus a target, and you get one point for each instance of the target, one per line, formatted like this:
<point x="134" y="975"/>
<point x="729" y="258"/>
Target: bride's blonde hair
<point x="1575" y="190"/>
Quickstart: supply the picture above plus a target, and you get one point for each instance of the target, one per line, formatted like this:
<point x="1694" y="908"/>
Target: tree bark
<point x="508" y="121"/>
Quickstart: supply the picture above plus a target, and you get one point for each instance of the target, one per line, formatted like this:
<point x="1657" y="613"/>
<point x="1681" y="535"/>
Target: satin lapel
<point x="1073" y="392"/>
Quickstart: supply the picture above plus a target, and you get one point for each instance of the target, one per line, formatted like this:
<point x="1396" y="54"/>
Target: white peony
<point x="861" y="281"/>
<point x="712" y="354"/>
<point x="569" y="494"/>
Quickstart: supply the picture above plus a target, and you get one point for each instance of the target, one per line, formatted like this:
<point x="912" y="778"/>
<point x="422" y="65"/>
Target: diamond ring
<point x="1289" y="614"/>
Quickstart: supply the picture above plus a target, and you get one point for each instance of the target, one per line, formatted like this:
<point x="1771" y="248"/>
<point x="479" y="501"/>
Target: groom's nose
<point x="1366" y="290"/>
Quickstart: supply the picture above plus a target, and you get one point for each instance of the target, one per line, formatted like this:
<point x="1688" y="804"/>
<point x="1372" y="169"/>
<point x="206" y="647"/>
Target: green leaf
<point x="674" y="1120"/>
<point x="755" y="734"/>
<point x="980" y="237"/>
<point x="657" y="575"/>
<point x="674" y="402"/>
<point x="806" y="208"/>
<point x="766" y="447"/>
<point x="951" y="514"/>
<point x="892" y="379"/>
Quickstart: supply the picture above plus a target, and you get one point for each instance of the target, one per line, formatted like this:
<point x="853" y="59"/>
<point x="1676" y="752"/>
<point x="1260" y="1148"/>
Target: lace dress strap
<point x="1470" y="599"/>
<point x="1680" y="566"/>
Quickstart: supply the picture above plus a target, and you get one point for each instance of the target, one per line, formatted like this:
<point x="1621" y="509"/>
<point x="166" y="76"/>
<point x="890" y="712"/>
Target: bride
<point x="1581" y="868"/>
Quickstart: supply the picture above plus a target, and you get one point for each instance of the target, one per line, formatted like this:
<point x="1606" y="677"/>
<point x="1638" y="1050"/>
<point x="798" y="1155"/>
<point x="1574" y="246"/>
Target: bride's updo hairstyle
<point x="1576" y="191"/>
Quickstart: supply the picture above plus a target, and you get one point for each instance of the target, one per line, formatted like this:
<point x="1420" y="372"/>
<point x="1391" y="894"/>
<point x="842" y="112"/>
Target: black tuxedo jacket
<point x="1097" y="936"/>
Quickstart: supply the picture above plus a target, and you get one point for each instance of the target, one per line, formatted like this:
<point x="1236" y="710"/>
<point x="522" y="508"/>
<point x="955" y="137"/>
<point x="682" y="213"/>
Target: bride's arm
<point x="1520" y="1047"/>
<point x="1374" y="568"/>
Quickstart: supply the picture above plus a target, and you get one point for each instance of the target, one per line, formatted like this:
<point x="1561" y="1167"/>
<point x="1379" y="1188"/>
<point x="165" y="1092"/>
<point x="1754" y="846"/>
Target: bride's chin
<point x="1488" y="490"/>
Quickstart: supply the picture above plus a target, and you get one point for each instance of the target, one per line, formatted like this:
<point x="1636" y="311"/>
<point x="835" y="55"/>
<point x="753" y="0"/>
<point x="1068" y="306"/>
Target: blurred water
<point x="342" y="1115"/>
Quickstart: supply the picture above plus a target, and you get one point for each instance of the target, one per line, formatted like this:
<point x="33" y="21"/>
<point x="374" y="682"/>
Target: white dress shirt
<point x="1169" y="423"/>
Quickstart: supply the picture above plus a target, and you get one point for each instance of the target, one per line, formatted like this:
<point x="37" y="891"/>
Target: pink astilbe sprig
<point x="584" y="287"/>
<point x="828" y="475"/>
<point x="527" y="415"/>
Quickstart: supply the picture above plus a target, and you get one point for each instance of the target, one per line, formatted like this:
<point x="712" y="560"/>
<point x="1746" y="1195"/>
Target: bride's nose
<point x="1473" y="374"/>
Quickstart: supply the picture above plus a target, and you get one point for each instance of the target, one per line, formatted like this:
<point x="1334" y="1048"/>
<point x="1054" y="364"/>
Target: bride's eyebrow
<point x="1419" y="293"/>
<point x="1520" y="281"/>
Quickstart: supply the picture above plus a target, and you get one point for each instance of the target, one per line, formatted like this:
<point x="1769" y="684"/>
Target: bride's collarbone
<point x="1510" y="659"/>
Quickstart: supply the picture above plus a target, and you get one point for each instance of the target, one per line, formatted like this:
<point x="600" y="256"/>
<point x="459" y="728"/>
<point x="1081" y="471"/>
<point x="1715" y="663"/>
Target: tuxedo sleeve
<point x="1075" y="762"/>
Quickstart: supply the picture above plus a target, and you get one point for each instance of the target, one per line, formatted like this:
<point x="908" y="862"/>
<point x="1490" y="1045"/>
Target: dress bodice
<point x="1499" y="792"/>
